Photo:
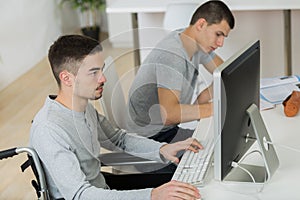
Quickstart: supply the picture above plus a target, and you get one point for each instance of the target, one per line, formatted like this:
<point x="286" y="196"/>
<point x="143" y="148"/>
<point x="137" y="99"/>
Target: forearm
<point x="184" y="113"/>
<point x="143" y="147"/>
<point x="214" y="64"/>
<point x="172" y="112"/>
<point x="206" y="95"/>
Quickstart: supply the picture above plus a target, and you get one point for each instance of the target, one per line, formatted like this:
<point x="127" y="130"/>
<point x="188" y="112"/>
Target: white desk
<point x="150" y="14"/>
<point x="285" y="182"/>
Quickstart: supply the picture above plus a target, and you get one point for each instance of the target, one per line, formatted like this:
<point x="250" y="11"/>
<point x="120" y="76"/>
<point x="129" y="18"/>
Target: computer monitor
<point x="237" y="120"/>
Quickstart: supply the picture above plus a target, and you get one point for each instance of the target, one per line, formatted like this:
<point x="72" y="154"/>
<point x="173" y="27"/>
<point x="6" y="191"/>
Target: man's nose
<point x="220" y="41"/>
<point x="102" y="78"/>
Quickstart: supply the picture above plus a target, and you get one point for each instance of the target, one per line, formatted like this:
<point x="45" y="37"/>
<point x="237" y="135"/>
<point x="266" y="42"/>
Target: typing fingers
<point x="193" y="145"/>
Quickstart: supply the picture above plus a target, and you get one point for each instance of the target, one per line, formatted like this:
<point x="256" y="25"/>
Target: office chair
<point x="113" y="100"/>
<point x="114" y="107"/>
<point x="178" y="15"/>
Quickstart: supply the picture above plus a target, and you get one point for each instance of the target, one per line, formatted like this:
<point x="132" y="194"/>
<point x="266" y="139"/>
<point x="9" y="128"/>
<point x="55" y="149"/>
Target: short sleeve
<point x="168" y="77"/>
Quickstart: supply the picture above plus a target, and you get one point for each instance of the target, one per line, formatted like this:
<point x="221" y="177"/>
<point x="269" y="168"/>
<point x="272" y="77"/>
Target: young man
<point x="161" y="95"/>
<point x="67" y="132"/>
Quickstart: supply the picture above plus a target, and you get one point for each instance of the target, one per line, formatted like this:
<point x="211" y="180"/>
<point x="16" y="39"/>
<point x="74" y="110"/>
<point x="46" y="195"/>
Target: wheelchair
<point x="33" y="161"/>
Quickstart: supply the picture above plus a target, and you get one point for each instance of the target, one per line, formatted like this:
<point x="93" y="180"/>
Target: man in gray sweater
<point x="67" y="132"/>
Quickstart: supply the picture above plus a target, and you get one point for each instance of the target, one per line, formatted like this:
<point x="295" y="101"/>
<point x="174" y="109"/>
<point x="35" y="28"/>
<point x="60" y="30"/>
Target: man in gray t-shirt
<point x="163" y="92"/>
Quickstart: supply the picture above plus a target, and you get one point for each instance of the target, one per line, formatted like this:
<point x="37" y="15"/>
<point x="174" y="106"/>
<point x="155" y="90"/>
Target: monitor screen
<point x="236" y="88"/>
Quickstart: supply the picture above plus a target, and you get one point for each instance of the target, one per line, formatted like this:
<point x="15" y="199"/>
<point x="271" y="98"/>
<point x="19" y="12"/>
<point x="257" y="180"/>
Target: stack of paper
<point x="275" y="90"/>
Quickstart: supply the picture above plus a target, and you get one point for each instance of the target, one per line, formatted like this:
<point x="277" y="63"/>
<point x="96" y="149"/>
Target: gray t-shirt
<point x="167" y="66"/>
<point x="68" y="144"/>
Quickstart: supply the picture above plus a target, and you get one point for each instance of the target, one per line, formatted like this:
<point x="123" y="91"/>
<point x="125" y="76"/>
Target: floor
<point x="20" y="101"/>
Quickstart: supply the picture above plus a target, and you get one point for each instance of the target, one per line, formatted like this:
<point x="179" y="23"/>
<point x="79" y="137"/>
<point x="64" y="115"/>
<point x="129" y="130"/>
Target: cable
<point x="247" y="154"/>
<point x="243" y="158"/>
<point x="228" y="186"/>
<point x="235" y="164"/>
<point x="247" y="171"/>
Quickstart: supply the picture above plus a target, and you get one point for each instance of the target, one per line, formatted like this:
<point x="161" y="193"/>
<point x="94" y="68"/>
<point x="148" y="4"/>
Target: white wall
<point x="27" y="29"/>
<point x="268" y="27"/>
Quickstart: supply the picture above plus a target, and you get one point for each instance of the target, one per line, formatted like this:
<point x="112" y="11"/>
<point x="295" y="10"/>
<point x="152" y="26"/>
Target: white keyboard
<point x="193" y="167"/>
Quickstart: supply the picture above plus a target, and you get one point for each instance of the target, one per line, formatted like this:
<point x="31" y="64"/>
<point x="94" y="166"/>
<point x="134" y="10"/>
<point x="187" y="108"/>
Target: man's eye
<point x="94" y="73"/>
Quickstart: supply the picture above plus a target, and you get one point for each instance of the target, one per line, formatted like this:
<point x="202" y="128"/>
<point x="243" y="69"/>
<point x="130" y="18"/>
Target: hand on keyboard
<point x="193" y="166"/>
<point x="175" y="190"/>
<point x="169" y="151"/>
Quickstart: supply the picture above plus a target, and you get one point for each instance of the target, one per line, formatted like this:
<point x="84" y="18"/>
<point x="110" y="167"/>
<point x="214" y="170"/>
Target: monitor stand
<point x="260" y="174"/>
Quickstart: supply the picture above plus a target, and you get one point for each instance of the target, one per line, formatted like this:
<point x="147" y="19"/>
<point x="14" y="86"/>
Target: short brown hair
<point x="213" y="12"/>
<point x="68" y="51"/>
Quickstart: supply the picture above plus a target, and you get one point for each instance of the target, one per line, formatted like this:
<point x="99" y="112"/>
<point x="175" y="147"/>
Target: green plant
<point x="88" y="8"/>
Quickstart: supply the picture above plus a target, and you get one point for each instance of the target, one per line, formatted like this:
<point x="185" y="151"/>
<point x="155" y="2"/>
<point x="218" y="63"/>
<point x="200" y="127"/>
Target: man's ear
<point x="66" y="78"/>
<point x="200" y="23"/>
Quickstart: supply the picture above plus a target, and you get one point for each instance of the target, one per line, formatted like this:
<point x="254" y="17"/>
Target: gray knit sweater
<point x="68" y="144"/>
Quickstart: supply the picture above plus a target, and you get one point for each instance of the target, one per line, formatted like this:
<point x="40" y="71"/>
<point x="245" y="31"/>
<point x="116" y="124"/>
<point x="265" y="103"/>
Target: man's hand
<point x="175" y="190"/>
<point x="169" y="151"/>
